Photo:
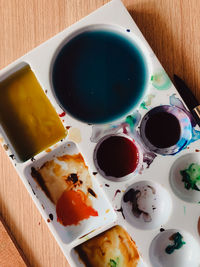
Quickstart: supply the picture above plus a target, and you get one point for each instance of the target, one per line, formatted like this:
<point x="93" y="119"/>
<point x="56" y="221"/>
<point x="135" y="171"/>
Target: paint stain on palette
<point x="185" y="177"/>
<point x="146" y="205"/>
<point x="113" y="248"/>
<point x="67" y="183"/>
<point x="174" y="248"/>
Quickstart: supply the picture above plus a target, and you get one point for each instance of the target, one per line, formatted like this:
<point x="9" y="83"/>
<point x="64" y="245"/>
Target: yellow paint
<point x="1" y="139"/>
<point x="107" y="210"/>
<point x="74" y="135"/>
<point x="27" y="116"/>
<point x="48" y="150"/>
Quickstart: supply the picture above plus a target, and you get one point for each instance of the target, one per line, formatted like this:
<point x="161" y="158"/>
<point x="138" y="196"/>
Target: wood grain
<point x="171" y="27"/>
<point x="9" y="253"/>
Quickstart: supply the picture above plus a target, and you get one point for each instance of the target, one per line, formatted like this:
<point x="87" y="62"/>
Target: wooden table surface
<point x="172" y="28"/>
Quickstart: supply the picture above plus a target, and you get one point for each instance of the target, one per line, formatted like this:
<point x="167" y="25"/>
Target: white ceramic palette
<point x="162" y="200"/>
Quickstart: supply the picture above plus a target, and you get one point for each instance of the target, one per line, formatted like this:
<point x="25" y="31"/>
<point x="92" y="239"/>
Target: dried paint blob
<point x="100" y="75"/>
<point x="178" y="242"/>
<point x="191" y="177"/>
<point x="174" y="248"/>
<point x="185" y="177"/>
<point x="146" y="205"/>
<point x="166" y="129"/>
<point x="116" y="156"/>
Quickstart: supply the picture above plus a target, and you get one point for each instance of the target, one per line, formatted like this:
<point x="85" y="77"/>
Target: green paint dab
<point x="191" y="176"/>
<point x="143" y="105"/>
<point x="131" y="121"/>
<point x="114" y="263"/>
<point x="178" y="243"/>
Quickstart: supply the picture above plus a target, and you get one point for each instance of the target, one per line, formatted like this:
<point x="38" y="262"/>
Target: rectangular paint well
<point x="27" y="116"/>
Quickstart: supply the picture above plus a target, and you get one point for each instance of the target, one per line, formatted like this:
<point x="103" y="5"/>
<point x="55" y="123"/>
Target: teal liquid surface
<point x="99" y="76"/>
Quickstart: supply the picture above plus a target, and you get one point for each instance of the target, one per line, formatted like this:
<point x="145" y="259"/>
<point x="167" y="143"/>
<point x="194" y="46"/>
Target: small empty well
<point x="64" y="186"/>
<point x="174" y="248"/>
<point x="113" y="247"/>
<point x="27" y="117"/>
<point x="185" y="177"/>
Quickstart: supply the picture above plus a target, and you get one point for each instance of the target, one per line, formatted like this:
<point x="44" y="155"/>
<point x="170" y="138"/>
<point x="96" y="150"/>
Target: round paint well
<point x="174" y="248"/>
<point x="166" y="129"/>
<point x="100" y="74"/>
<point x="146" y="205"/>
<point x="185" y="177"/>
<point x="117" y="156"/>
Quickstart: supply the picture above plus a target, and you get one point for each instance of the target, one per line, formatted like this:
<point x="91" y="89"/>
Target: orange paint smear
<point x="76" y="157"/>
<point x="71" y="208"/>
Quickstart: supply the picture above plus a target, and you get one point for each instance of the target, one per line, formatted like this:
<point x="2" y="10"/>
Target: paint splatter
<point x="116" y="192"/>
<point x="94" y="173"/>
<point x="12" y="156"/>
<point x="107" y="185"/>
<point x="62" y="114"/>
<point x="191" y="177"/>
<point x="178" y="243"/>
<point x="161" y="81"/>
<point x="197" y="150"/>
<point x="143" y="105"/>
<point x="48" y="150"/>
<point x="51" y="216"/>
<point x="48" y="220"/>
<point x="162" y="229"/>
<point x="74" y="135"/>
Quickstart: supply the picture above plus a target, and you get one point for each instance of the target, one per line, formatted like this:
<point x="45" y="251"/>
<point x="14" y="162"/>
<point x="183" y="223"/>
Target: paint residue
<point x="74" y="135"/>
<point x="177" y="238"/>
<point x="5" y="147"/>
<point x="191" y="177"/>
<point x="147" y="102"/>
<point x="66" y="182"/>
<point x="72" y="208"/>
<point x="161" y="81"/>
<point x="112" y="248"/>
<point x="134" y="197"/>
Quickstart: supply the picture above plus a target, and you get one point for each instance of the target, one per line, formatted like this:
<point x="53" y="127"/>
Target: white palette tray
<point x="176" y="210"/>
